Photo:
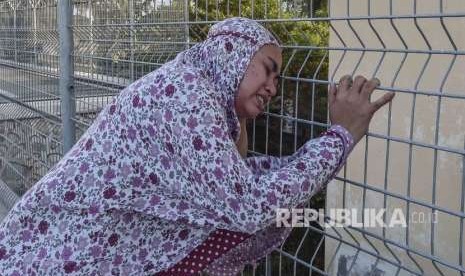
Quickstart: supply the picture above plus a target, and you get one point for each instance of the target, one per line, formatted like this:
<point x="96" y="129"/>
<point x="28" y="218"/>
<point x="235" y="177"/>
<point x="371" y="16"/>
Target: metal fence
<point x="412" y="159"/>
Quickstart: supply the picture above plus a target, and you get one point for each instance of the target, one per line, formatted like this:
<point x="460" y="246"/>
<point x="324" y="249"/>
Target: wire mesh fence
<point x="412" y="159"/>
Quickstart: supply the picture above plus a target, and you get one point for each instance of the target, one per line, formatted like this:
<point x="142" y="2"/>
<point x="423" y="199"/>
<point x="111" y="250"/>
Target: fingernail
<point x="378" y="81"/>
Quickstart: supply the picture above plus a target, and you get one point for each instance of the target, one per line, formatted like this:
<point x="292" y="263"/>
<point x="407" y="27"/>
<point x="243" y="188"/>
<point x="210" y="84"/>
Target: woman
<point x="157" y="185"/>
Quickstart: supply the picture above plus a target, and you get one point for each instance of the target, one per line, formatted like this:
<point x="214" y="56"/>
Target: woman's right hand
<point x="350" y="106"/>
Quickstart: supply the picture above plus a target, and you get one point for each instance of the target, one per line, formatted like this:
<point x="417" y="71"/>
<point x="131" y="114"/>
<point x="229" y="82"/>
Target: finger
<point x="376" y="105"/>
<point x="345" y="82"/>
<point x="369" y="87"/>
<point x="359" y="81"/>
<point x="332" y="93"/>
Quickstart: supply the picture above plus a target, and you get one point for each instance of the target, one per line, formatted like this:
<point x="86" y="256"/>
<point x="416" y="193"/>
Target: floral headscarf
<point x="158" y="171"/>
<point x="223" y="57"/>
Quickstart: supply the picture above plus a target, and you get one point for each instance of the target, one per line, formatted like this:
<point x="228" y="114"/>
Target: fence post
<point x="66" y="83"/>
<point x="34" y="5"/>
<point x="15" y="31"/>
<point x="91" y="36"/>
<point x="186" y="19"/>
<point x="268" y="266"/>
<point x="132" y="36"/>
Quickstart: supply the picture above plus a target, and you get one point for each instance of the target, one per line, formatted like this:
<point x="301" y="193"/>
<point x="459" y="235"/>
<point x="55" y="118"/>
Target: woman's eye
<point x="268" y="71"/>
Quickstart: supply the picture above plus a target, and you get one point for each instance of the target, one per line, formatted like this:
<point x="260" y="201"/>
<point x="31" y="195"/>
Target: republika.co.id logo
<point x="340" y="217"/>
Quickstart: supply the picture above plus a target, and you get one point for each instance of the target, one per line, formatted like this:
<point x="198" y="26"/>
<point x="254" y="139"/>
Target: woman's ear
<point x="242" y="143"/>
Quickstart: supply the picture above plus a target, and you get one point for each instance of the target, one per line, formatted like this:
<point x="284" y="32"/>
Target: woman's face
<point x="259" y="83"/>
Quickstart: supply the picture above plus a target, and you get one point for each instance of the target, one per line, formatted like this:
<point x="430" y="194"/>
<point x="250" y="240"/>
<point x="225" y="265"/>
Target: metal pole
<point x="66" y="84"/>
<point x="268" y="265"/>
<point x="15" y="31"/>
<point x="132" y="35"/>
<point x="34" y="31"/>
<point x="91" y="36"/>
<point x="186" y="19"/>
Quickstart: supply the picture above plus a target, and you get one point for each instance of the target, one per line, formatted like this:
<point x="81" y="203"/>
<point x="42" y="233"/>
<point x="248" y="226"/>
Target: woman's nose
<point x="271" y="89"/>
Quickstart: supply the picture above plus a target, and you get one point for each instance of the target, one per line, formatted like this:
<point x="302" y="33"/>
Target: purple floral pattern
<point x="158" y="171"/>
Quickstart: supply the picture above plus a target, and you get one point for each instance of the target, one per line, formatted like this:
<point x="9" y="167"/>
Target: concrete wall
<point x="420" y="173"/>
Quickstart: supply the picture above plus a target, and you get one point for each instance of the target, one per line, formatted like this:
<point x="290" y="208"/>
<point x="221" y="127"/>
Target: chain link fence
<point x="62" y="61"/>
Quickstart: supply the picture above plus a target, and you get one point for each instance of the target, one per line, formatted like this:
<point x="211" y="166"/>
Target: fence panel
<point x="30" y="129"/>
<point x="411" y="161"/>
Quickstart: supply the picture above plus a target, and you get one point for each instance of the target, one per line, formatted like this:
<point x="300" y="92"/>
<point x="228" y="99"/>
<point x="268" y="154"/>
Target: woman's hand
<point x="242" y="144"/>
<point x="350" y="106"/>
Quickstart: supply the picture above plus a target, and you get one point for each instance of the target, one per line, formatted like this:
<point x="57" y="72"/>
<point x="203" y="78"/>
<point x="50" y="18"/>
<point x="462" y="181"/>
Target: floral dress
<point x="157" y="174"/>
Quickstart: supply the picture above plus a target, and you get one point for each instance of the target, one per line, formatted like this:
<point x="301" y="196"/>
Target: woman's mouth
<point x="261" y="102"/>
